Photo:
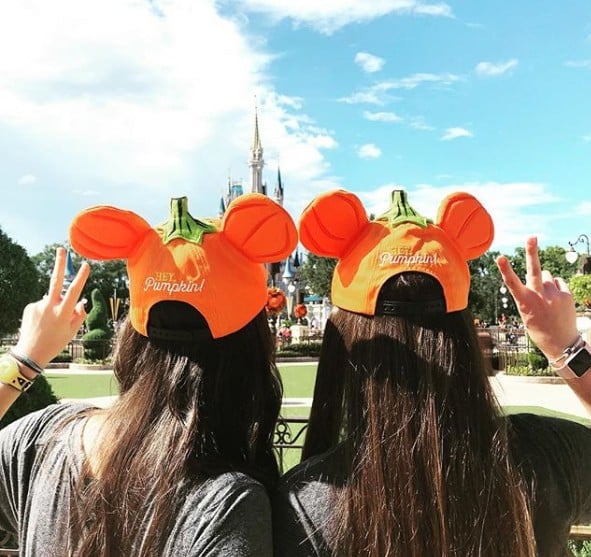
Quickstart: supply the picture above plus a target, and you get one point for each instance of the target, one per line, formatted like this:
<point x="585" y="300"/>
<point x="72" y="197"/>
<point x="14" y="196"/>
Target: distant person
<point x="407" y="453"/>
<point x="179" y="465"/>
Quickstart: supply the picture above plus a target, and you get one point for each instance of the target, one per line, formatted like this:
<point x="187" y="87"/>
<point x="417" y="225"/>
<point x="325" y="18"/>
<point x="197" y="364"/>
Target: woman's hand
<point x="49" y="324"/>
<point x="545" y="303"/>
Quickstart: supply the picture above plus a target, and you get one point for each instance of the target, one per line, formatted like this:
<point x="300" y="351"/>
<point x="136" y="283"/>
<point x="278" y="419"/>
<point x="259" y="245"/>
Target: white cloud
<point x="379" y="93"/>
<point x="369" y="151"/>
<point x="363" y="97"/>
<point x="27" y="180"/>
<point x="418" y="123"/>
<point x="584" y="208"/>
<point x="532" y="206"/>
<point x="490" y="69"/>
<point x="587" y="138"/>
<point x="454" y="133"/>
<point x="579" y="64"/>
<point x="330" y="15"/>
<point x="323" y="141"/>
<point x="381" y="116"/>
<point x="368" y="62"/>
<point x="414" y="80"/>
<point x="133" y="101"/>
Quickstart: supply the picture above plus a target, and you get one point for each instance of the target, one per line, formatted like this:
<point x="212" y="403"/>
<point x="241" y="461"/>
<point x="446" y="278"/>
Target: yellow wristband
<point x="11" y="375"/>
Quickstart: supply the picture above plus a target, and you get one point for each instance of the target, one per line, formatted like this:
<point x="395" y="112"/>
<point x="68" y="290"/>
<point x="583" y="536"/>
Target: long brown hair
<point x="187" y="411"/>
<point x="426" y="467"/>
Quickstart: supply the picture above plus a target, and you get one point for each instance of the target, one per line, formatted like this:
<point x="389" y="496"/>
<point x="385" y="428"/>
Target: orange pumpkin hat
<point x="214" y="266"/>
<point x="335" y="224"/>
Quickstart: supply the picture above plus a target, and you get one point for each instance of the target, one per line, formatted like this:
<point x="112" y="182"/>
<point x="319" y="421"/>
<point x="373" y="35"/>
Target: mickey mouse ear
<point x="260" y="228"/>
<point x="463" y="217"/>
<point x="331" y="222"/>
<point x="106" y="232"/>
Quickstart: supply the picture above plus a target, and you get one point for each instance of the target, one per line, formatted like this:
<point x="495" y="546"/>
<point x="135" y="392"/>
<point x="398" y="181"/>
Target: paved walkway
<point x="525" y="391"/>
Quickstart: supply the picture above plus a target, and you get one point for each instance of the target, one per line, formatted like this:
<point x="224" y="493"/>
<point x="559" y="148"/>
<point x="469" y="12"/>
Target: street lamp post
<point x="572" y="256"/>
<point x="290" y="280"/>
<point x="504" y="301"/>
<point x="116" y="300"/>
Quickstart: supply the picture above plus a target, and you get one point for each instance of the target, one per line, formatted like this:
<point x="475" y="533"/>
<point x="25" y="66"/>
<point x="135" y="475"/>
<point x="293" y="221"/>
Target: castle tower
<point x="256" y="161"/>
<point x="279" y="188"/>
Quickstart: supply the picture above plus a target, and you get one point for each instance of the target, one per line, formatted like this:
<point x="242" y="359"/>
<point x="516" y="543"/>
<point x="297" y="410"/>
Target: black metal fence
<point x="288" y="440"/>
<point x="504" y="347"/>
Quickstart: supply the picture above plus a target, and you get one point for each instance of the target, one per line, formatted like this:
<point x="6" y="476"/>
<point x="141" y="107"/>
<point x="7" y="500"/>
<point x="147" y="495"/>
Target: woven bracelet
<point x="31" y="364"/>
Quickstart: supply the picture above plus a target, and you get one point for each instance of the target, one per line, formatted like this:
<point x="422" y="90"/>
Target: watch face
<point x="8" y="366"/>
<point x="580" y="362"/>
<point x="10" y="374"/>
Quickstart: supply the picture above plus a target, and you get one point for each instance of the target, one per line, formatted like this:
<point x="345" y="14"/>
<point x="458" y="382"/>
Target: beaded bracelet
<point x="31" y="364"/>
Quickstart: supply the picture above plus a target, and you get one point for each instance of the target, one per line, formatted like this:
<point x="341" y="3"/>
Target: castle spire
<point x="256" y="144"/>
<point x="279" y="188"/>
<point x="256" y="161"/>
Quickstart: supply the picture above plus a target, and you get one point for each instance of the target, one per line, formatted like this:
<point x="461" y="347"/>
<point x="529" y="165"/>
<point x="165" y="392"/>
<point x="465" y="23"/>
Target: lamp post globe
<point x="571" y="256"/>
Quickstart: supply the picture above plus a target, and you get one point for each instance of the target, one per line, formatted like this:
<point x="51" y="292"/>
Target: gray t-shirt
<point x="554" y="456"/>
<point x="228" y="515"/>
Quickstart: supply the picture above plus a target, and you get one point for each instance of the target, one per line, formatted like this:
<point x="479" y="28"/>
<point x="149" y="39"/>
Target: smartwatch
<point x="578" y="363"/>
<point x="10" y="374"/>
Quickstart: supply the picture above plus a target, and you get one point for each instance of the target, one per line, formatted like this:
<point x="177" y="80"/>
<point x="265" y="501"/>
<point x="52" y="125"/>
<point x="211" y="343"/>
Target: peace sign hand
<point x="545" y="303"/>
<point x="49" y="324"/>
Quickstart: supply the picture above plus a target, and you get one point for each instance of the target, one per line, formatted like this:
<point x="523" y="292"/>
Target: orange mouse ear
<point x="107" y="232"/>
<point x="331" y="222"/>
<point x="464" y="219"/>
<point x="260" y="228"/>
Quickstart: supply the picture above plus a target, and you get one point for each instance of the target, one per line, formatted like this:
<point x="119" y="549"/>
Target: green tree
<point x="552" y="259"/>
<point x="109" y="277"/>
<point x="96" y="341"/>
<point x="317" y="273"/>
<point x="19" y="283"/>
<point x="485" y="281"/>
<point x="580" y="286"/>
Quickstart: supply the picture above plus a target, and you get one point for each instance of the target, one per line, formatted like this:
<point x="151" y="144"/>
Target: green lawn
<point x="541" y="411"/>
<point x="298" y="382"/>
<point x="298" y="379"/>
<point x="82" y="385"/>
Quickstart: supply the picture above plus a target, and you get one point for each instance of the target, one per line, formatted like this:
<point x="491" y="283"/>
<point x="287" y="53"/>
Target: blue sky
<point x="130" y="102"/>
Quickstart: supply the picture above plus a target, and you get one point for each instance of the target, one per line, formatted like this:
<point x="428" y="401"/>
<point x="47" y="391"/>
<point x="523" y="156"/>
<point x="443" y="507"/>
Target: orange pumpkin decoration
<point x="276" y="301"/>
<point x="300" y="311"/>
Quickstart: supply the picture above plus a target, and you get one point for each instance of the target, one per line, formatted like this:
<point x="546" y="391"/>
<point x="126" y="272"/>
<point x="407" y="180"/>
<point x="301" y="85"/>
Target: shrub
<point x="580" y="286"/>
<point x="97" y="341"/>
<point x="37" y="397"/>
<point x="97" y="344"/>
<point x="580" y="548"/>
<point x="309" y="349"/>
<point x="532" y="363"/>
<point x="63" y="357"/>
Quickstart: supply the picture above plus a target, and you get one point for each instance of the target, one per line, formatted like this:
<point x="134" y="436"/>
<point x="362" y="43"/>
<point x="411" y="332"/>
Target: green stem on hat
<point x="181" y="224"/>
<point x="400" y="211"/>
